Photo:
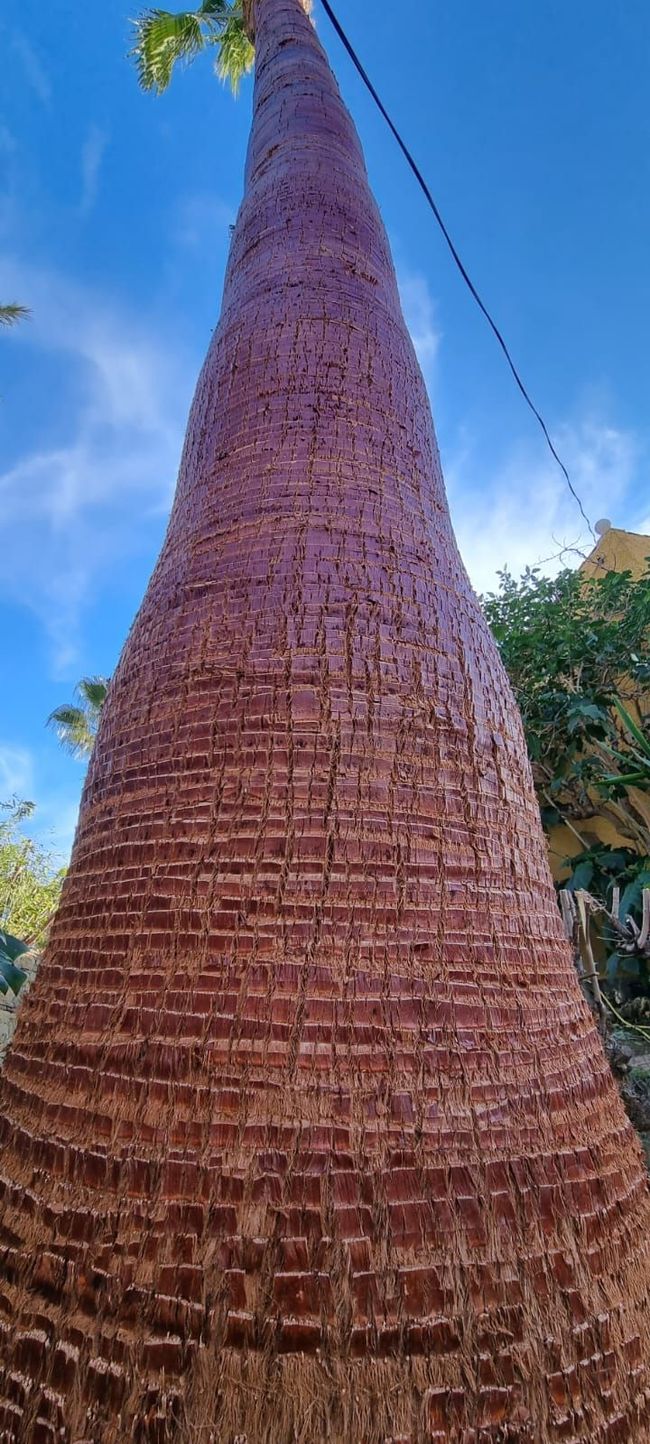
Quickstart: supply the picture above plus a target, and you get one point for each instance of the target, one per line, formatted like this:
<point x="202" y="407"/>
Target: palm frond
<point x="217" y="9"/>
<point x="76" y="723"/>
<point x="236" y="54"/>
<point x="161" y="39"/>
<point x="67" y="715"/>
<point x="12" y="312"/>
<point x="71" y="726"/>
<point x="92" y="690"/>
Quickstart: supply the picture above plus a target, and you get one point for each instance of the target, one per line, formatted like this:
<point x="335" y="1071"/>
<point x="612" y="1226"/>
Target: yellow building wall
<point x="618" y="551"/>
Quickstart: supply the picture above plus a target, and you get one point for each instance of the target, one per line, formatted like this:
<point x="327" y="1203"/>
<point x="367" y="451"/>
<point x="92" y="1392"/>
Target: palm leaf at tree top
<point x="163" y="37"/>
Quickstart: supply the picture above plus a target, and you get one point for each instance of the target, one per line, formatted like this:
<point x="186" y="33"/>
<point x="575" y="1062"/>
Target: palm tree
<point x="11" y="313"/>
<point x="307" y="1132"/>
<point x="76" y="723"/>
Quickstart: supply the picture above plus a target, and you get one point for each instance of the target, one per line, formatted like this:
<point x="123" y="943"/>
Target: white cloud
<point x="521" y="513"/>
<point x="420" y="316"/>
<point x="80" y="505"/>
<point x="32" y="65"/>
<point x="16" y="772"/>
<point x="92" y="152"/>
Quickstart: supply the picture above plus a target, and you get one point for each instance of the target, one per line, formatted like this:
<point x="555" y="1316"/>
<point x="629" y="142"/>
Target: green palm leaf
<point x="163" y="38"/>
<point x="76" y="723"/>
<point x="11" y="313"/>
<point x="632" y="727"/>
<point x="71" y="726"/>
<point x="93" y="691"/>
<point x="160" y="40"/>
<point x="236" y="54"/>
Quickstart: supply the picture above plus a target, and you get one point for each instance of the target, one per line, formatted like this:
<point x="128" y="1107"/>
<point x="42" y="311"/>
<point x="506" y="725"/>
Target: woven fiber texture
<point x="307" y="1133"/>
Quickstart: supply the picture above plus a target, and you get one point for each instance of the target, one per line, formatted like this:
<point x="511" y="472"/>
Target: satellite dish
<point x="603" y="526"/>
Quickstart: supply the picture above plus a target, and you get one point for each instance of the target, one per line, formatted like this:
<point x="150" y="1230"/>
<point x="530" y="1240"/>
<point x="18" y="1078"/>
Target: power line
<point x="467" y="279"/>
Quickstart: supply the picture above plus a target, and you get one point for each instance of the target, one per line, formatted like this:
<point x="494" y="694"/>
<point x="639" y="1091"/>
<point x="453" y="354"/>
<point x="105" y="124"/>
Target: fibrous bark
<point x="307" y="1132"/>
<point x="249" y="11"/>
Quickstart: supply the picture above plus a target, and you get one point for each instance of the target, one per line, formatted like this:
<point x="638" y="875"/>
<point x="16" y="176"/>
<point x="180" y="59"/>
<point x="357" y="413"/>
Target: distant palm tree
<point x="76" y="723"/>
<point x="11" y="313"/>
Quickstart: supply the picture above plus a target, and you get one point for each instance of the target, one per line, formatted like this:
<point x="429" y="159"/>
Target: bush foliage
<point x="30" y="881"/>
<point x="577" y="651"/>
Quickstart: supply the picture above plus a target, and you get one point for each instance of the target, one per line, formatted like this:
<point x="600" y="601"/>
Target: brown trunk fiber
<point x="307" y="1132"/>
<point x="248" y="12"/>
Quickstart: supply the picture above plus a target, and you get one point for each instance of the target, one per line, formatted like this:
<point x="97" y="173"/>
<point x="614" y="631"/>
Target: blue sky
<point x="532" y="125"/>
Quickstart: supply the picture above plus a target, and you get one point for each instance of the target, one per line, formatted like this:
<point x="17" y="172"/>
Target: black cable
<point x="467" y="279"/>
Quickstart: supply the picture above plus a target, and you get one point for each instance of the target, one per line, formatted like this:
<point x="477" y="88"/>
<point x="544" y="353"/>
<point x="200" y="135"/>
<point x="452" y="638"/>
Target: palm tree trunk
<point x="307" y="1131"/>
<point x="249" y="7"/>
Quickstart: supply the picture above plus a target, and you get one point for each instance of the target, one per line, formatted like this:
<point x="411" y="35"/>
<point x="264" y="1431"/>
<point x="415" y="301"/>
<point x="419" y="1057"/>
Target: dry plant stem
<point x="568" y="823"/>
<point x="307" y="1131"/>
<point x="586" y="950"/>
<point x="633" y="1027"/>
<point x="575" y="916"/>
<point x="643" y="939"/>
<point x="569" y="917"/>
<point x="637" y="832"/>
<point x="633" y="939"/>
